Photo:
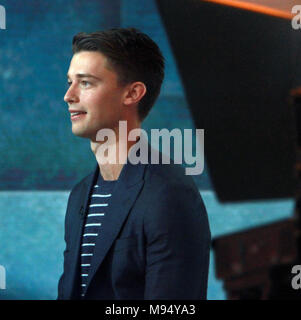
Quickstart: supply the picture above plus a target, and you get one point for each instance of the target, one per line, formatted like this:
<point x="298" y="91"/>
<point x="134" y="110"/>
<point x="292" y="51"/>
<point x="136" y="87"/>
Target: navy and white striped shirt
<point x="98" y="208"/>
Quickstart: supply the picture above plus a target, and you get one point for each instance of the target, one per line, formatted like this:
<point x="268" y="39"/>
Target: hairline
<point x="108" y="65"/>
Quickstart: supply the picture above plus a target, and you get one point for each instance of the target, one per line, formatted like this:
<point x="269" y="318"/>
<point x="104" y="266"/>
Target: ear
<point x="135" y="93"/>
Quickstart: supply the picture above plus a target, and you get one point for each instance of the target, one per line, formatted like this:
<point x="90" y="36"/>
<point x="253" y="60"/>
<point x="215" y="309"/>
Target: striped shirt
<point x="98" y="208"/>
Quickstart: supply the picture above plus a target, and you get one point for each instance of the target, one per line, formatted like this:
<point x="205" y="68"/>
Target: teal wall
<point x="40" y="158"/>
<point x="31" y="237"/>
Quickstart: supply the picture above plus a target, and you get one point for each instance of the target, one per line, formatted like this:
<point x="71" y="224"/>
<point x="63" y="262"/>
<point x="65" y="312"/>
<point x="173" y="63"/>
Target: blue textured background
<point x="40" y="158"/>
<point x="35" y="52"/>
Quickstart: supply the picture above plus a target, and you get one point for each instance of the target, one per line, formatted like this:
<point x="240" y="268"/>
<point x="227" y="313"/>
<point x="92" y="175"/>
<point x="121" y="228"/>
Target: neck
<point x="112" y="153"/>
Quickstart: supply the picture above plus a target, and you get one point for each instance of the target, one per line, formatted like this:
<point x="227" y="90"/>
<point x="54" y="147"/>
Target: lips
<point x="73" y="111"/>
<point x="77" y="114"/>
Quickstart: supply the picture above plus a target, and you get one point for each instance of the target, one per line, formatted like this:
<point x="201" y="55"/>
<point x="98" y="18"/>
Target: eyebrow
<point x="83" y="75"/>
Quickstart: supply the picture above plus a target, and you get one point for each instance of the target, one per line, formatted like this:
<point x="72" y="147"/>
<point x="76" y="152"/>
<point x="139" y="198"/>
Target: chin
<point x="79" y="133"/>
<point x="87" y="134"/>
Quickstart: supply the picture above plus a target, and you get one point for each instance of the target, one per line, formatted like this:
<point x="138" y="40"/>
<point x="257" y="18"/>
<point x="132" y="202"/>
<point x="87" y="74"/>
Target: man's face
<point x="93" y="89"/>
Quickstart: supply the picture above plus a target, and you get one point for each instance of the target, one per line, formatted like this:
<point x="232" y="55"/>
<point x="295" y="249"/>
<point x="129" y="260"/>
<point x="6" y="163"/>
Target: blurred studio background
<point x="41" y="160"/>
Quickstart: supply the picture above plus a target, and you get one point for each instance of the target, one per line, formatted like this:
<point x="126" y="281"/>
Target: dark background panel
<point x="237" y="69"/>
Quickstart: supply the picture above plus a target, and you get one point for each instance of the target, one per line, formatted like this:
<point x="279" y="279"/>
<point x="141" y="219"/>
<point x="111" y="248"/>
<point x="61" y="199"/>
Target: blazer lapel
<point x="123" y="197"/>
<point x="79" y="208"/>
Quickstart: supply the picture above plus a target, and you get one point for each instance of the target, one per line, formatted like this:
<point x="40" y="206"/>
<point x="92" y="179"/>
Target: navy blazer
<point x="154" y="242"/>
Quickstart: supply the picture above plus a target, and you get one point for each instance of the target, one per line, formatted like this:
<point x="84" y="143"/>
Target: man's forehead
<point x="88" y="63"/>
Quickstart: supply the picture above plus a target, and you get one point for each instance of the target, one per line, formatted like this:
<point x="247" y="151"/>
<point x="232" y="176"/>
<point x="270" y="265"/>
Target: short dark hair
<point x="133" y="55"/>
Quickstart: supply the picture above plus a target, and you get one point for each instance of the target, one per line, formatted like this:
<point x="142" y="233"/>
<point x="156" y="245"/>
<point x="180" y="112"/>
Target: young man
<point x="132" y="231"/>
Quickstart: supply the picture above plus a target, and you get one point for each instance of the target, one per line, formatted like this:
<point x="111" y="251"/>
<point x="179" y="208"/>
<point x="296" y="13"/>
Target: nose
<point x="71" y="96"/>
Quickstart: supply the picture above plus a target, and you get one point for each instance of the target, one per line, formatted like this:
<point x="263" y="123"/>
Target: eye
<point x="69" y="83"/>
<point x="85" y="83"/>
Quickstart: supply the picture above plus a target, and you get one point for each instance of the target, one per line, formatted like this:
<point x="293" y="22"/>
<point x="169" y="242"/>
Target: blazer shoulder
<point x="170" y="176"/>
<point x="174" y="205"/>
<point x="168" y="189"/>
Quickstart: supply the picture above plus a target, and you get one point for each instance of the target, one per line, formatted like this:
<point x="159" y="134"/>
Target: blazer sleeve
<point x="177" y="245"/>
<point x="60" y="294"/>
